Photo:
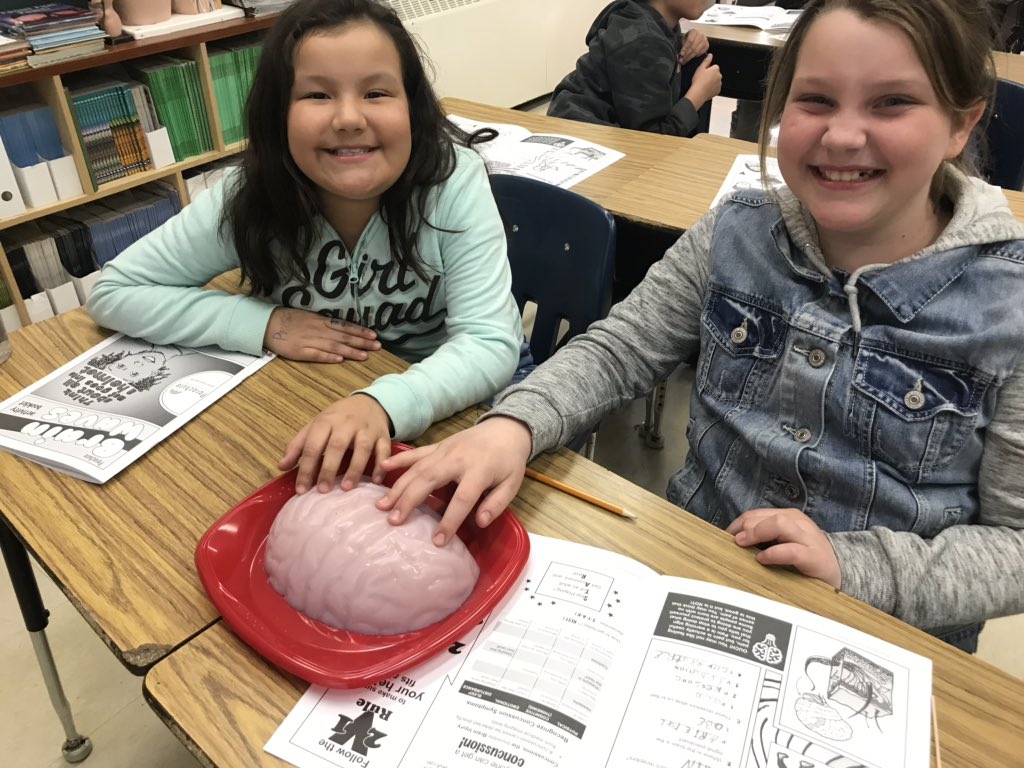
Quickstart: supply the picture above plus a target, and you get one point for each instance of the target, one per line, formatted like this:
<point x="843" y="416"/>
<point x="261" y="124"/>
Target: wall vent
<point x="416" y="9"/>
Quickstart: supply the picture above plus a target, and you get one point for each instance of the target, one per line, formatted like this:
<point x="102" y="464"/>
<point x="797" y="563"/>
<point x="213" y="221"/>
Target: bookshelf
<point x="48" y="83"/>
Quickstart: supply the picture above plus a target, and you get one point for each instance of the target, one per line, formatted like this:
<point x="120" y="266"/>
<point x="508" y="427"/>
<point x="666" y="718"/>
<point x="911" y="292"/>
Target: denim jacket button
<point x="802" y="435"/>
<point x="914" y="399"/>
<point x="792" y="492"/>
<point x="738" y="335"/>
<point x="816" y="358"/>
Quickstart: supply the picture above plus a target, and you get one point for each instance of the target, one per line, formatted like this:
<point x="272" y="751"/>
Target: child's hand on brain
<point x="358" y="423"/>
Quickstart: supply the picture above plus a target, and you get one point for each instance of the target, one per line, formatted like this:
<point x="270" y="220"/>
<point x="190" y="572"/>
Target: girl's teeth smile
<point x="351" y="152"/>
<point x="830" y="175"/>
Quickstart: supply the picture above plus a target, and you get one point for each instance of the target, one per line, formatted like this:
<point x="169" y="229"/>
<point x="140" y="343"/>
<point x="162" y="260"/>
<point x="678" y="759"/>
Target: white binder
<point x="11" y="201"/>
<point x="36" y="184"/>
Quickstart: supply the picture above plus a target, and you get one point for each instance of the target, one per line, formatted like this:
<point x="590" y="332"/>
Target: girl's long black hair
<point x="272" y="211"/>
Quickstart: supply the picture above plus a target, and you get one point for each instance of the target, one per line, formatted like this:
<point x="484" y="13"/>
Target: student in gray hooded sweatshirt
<point x="641" y="72"/>
<point x="858" y="404"/>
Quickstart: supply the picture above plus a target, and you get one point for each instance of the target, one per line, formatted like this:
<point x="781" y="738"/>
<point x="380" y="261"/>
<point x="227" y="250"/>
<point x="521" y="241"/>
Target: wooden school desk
<point x="663" y="181"/>
<point x="224" y="701"/>
<point x="744" y="55"/>
<point x="644" y="153"/>
<point x="123" y="551"/>
<point x="1009" y="66"/>
<point x="680" y="189"/>
<point x="642" y="150"/>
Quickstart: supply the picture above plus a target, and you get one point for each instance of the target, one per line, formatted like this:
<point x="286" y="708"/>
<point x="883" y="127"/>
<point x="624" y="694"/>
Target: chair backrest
<point x="1005" y="135"/>
<point x="561" y="248"/>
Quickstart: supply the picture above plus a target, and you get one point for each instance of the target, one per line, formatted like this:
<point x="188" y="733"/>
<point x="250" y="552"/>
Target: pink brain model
<point x="334" y="557"/>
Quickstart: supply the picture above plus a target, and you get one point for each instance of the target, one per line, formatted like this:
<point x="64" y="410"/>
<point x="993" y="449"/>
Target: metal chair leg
<point x="650" y="430"/>
<point x="76" y="747"/>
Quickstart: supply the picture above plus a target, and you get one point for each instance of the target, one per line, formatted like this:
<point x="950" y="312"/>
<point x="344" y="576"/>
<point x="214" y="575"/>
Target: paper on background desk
<point x="553" y="158"/>
<point x="770" y="18"/>
<point x="595" y="660"/>
<point x="745" y="174"/>
<point x="94" y="416"/>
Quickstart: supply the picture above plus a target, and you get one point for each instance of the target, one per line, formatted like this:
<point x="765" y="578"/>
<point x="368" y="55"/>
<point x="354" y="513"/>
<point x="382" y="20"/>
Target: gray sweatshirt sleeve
<point x="623" y="356"/>
<point x="968" y="572"/>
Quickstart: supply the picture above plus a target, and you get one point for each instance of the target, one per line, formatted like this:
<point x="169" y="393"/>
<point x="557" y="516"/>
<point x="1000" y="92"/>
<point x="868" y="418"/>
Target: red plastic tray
<point x="229" y="559"/>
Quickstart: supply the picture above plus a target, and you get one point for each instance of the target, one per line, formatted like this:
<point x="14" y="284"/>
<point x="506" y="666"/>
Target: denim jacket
<point x="888" y="405"/>
<point x="860" y="399"/>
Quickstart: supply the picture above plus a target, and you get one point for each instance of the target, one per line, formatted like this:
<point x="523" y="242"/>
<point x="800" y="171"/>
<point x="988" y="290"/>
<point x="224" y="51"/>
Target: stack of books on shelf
<point x="174" y="85"/>
<point x="233" y="65"/>
<point x="35" y="169"/>
<point x="54" y="31"/>
<point x="56" y="260"/>
<point x="13" y="51"/>
<point x="109" y="113"/>
<point x="260" y="7"/>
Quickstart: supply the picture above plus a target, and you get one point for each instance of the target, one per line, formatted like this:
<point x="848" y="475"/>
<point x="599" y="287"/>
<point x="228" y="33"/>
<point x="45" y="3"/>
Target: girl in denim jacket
<point x="858" y="404"/>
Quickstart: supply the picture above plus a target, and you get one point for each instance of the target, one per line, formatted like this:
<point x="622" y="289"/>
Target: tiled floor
<point x="107" y="700"/>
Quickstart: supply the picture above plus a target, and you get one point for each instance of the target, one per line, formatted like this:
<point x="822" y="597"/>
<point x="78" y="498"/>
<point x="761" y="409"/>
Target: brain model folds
<point x="334" y="557"/>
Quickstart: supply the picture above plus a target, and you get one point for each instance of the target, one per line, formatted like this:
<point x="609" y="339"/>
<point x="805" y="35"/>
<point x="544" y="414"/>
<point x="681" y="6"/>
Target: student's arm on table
<point x="617" y="360"/>
<point x="478" y="357"/>
<point x="154" y="288"/>
<point x="484" y="331"/>
<point x="967" y="573"/>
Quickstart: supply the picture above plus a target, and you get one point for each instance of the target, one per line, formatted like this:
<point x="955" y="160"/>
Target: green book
<point x="177" y="97"/>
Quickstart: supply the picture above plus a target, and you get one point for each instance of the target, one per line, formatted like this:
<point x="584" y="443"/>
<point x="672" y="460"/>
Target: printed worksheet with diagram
<point x="595" y="660"/>
<point x="561" y="160"/>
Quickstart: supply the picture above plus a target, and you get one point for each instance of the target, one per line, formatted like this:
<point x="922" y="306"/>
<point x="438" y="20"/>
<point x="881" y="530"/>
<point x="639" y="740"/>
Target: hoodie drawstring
<point x="851" y="291"/>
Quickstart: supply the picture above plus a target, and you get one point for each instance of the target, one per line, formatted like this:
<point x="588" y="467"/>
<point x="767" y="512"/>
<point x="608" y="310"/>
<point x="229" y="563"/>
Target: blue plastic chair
<point x="1005" y="136"/>
<point x="561" y="248"/>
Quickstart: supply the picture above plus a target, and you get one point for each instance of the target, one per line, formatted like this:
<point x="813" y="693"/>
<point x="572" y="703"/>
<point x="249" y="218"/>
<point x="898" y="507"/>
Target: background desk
<point x="744" y="55"/>
<point x="642" y="150"/>
<point x="680" y="189"/>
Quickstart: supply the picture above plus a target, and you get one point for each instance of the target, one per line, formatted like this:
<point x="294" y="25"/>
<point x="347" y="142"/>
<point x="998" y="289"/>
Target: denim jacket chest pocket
<point x="740" y="347"/>
<point x="913" y="414"/>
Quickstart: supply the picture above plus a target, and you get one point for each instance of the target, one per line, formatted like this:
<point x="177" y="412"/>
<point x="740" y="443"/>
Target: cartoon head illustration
<point x="143" y="370"/>
<point x="138" y="366"/>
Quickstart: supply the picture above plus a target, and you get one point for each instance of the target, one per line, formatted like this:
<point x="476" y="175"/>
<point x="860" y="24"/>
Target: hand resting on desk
<point x="792" y="538"/>
<point x="486" y="461"/>
<point x="299" y="334"/>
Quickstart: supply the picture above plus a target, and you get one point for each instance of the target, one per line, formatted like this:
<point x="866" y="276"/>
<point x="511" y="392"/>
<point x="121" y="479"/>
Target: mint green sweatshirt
<point x="460" y="329"/>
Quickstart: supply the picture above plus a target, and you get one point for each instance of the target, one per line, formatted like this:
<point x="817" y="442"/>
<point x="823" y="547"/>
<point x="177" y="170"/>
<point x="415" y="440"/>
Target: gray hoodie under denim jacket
<point x="887" y="404"/>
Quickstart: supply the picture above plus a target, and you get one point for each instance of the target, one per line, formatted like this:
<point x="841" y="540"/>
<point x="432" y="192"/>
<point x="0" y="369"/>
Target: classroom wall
<point x="503" y="52"/>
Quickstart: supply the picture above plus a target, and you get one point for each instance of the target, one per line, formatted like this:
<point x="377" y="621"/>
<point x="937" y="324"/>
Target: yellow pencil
<point x="542" y="478"/>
